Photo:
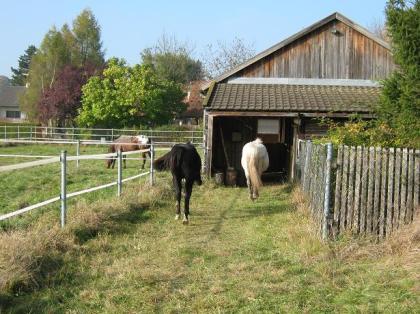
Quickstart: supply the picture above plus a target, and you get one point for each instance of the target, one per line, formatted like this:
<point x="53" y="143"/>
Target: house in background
<point x="194" y="102"/>
<point x="329" y="69"/>
<point x="9" y="101"/>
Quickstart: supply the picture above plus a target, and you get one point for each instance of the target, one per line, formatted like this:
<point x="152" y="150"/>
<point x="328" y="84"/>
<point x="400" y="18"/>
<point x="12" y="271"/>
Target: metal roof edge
<point x="304" y="81"/>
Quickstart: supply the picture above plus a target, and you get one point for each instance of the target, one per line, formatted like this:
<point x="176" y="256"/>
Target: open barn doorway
<point x="230" y="134"/>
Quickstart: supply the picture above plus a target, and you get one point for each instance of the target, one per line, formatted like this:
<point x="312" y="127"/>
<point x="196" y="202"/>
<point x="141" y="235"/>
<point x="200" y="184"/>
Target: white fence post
<point x="327" y="194"/>
<point x="152" y="158"/>
<point x="63" y="194"/>
<point x="119" y="175"/>
<point x="77" y="152"/>
<point x="18" y="132"/>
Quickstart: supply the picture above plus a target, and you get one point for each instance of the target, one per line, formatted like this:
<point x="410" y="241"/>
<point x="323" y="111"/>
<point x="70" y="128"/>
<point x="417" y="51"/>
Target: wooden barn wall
<point x="322" y="54"/>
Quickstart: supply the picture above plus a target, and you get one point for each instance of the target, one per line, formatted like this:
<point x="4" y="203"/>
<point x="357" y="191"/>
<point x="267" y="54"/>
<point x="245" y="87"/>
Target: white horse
<point x="254" y="161"/>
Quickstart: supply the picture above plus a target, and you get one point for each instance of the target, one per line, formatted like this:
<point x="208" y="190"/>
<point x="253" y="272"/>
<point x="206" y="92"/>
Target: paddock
<point x="38" y="172"/>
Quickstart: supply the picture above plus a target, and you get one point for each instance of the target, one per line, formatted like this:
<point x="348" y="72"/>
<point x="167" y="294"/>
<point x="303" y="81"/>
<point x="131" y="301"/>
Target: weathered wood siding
<point x="347" y="54"/>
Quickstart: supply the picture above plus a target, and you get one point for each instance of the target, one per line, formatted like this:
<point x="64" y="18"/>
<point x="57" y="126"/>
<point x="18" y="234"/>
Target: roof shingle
<point x="293" y="98"/>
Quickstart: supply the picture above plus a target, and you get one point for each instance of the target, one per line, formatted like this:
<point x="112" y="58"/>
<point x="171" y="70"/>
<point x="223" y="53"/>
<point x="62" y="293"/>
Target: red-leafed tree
<point x="58" y="105"/>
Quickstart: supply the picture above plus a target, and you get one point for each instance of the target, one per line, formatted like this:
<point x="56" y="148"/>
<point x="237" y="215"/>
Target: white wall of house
<point x="4" y="110"/>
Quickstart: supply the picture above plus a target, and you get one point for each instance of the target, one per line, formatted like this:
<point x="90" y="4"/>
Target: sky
<point x="129" y="26"/>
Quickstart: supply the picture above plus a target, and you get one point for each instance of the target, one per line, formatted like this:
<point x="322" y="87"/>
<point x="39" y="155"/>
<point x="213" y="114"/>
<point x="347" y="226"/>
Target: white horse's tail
<point x="254" y="176"/>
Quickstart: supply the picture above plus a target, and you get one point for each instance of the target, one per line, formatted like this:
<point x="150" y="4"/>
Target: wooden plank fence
<point x="372" y="190"/>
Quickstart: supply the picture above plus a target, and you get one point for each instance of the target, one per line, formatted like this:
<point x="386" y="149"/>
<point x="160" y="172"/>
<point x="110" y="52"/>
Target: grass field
<point x="128" y="255"/>
<point x="29" y="186"/>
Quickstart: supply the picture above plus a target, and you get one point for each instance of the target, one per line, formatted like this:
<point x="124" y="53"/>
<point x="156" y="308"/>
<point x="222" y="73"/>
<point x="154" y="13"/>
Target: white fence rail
<point x="63" y="159"/>
<point x="93" y="135"/>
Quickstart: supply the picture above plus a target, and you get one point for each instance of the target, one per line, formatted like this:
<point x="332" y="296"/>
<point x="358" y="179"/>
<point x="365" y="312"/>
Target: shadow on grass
<point x="61" y="277"/>
<point x="123" y="222"/>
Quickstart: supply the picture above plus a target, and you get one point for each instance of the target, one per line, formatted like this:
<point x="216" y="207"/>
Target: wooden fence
<point x="370" y="190"/>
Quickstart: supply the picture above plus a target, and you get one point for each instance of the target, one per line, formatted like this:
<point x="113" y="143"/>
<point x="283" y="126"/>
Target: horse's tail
<point x="162" y="163"/>
<point x="254" y="176"/>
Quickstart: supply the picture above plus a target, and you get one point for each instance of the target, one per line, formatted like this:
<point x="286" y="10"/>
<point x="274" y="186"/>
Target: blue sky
<point x="130" y="26"/>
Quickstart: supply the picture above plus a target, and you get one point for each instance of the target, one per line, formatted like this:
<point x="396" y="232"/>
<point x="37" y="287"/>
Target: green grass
<point x="29" y="186"/>
<point x="234" y="256"/>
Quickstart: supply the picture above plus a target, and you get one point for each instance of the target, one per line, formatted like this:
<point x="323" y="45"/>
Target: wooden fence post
<point x="327" y="194"/>
<point x="119" y="172"/>
<point x="63" y="194"/>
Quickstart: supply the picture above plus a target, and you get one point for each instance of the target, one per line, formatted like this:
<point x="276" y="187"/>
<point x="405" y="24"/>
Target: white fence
<point x="34" y="134"/>
<point x="63" y="159"/>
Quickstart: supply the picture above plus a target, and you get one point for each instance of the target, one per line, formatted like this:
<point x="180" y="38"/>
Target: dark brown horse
<point x="128" y="144"/>
<point x="184" y="163"/>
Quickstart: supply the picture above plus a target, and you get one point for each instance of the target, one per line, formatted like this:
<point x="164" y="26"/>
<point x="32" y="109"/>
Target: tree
<point x="400" y="105"/>
<point x="226" y="56"/>
<point x="19" y="75"/>
<point x="378" y="28"/>
<point x="172" y="61"/>
<point x="60" y="103"/>
<point x="87" y="33"/>
<point x="129" y="96"/>
<point x="80" y="47"/>
<point x="50" y="58"/>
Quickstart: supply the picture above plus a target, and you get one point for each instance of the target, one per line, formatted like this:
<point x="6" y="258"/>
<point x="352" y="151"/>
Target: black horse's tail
<point x="163" y="162"/>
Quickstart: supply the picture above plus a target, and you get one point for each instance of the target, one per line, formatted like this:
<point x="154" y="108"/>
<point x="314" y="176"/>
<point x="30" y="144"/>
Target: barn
<point x="329" y="69"/>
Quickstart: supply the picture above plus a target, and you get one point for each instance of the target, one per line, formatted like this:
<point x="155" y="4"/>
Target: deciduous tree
<point x="129" y="96"/>
<point x="78" y="47"/>
<point x="59" y="104"/>
<point x="225" y="56"/>
<point x="173" y="61"/>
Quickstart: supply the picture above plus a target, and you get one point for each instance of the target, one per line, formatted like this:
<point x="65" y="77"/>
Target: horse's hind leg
<point x="177" y="186"/>
<point x="144" y="156"/>
<point x="188" y="191"/>
<point x="248" y="183"/>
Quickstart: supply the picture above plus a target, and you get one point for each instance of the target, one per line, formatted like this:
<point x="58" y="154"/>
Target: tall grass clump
<point x="32" y="255"/>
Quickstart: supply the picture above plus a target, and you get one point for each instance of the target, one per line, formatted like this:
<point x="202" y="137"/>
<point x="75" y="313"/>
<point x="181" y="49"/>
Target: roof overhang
<point x="218" y="113"/>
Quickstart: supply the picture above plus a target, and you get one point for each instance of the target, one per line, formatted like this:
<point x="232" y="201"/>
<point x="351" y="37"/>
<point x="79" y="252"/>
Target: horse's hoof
<point x="185" y="222"/>
<point x="176" y="217"/>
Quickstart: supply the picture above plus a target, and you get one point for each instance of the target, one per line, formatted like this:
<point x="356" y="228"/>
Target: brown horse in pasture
<point x="127" y="144"/>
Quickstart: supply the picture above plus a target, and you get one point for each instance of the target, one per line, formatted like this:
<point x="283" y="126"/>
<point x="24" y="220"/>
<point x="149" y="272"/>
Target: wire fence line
<point x="63" y="159"/>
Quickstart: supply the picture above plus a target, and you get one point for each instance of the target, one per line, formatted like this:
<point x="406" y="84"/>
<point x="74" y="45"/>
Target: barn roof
<point x="297" y="98"/>
<point x="304" y="32"/>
